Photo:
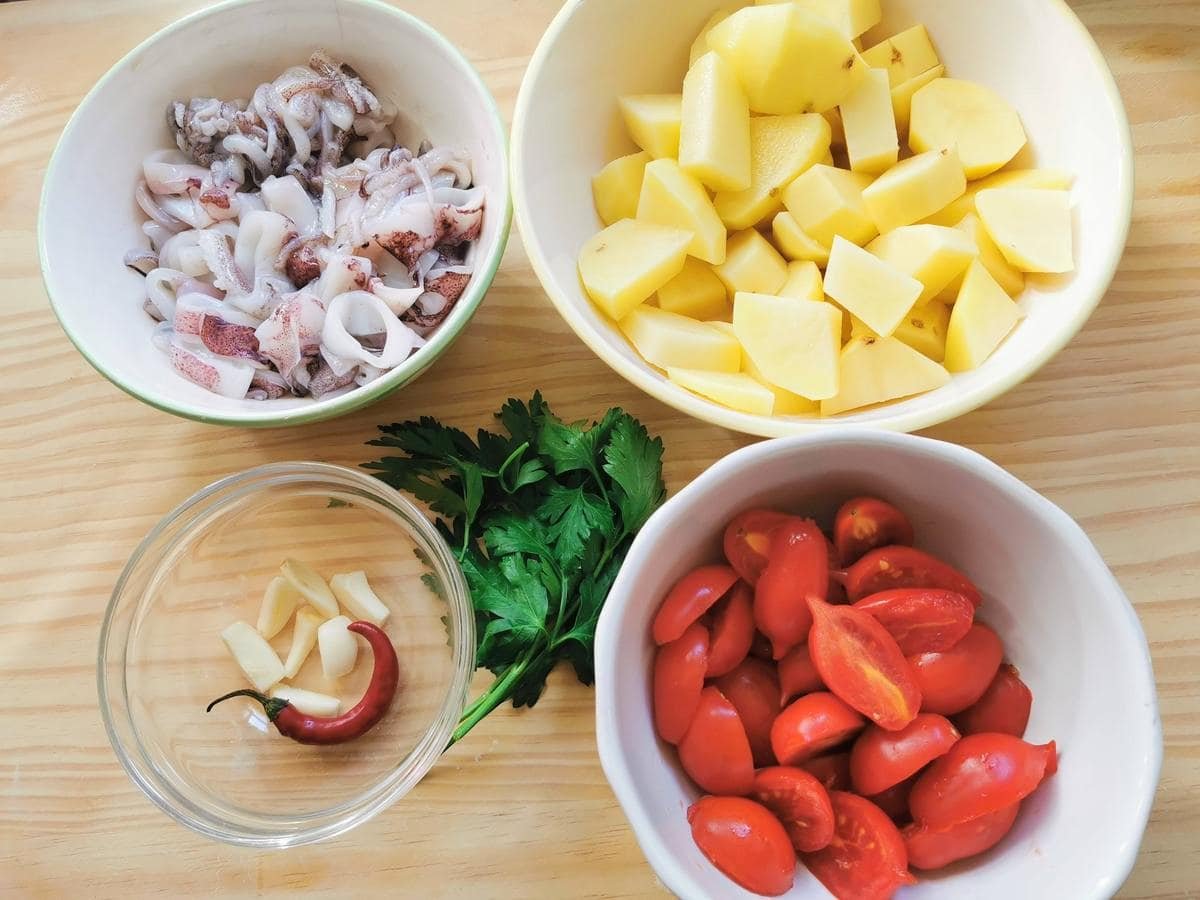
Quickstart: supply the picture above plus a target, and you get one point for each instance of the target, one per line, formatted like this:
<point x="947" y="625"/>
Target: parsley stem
<point x="499" y="691"/>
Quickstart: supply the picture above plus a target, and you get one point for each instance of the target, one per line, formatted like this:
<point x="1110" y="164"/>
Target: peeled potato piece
<point x="616" y="187"/>
<point x="982" y="125"/>
<point x="1031" y="227"/>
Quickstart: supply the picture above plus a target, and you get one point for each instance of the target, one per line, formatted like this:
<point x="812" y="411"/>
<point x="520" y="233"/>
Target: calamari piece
<point x="267" y="384"/>
<point x="398" y="299"/>
<point x="192" y="306"/>
<point x="325" y="381"/>
<point x="348" y="310"/>
<point x="221" y="375"/>
<point x="227" y="339"/>
<point x="141" y="260"/>
<point x="227" y="276"/>
<point x="343" y="273"/>
<point x="182" y="251"/>
<point x="162" y="291"/>
<point x="287" y="197"/>
<point x="449" y="281"/>
<point x="258" y="242"/>
<point x="412" y="227"/>
<point x="171" y="172"/>
<point x="291" y="334"/>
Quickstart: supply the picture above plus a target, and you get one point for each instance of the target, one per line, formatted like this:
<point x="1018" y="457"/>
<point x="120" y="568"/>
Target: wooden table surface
<point x="1110" y="430"/>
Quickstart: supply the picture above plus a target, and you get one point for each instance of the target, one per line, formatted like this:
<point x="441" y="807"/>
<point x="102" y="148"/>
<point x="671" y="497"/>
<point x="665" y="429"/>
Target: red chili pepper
<point x="357" y="720"/>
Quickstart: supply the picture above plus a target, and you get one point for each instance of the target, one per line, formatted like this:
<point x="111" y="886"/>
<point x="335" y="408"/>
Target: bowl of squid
<point x="290" y="228"/>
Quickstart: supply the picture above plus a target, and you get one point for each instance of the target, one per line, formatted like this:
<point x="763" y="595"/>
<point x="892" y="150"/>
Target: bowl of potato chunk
<point x="784" y="216"/>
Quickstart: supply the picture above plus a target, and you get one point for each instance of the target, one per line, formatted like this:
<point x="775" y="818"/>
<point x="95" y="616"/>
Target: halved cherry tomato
<point x="980" y="774"/>
<point x="929" y="849"/>
<point x="678" y="680"/>
<point x="922" y="620"/>
<point x="798" y="571"/>
<point x="798" y="675"/>
<point x="860" y="662"/>
<point x="715" y="751"/>
<point x="747" y="541"/>
<point x="801" y="803"/>
<point x="894" y="801"/>
<point x="753" y="690"/>
<point x="732" y="630"/>
<point x="1004" y="706"/>
<point x="880" y="759"/>
<point x="837" y="591"/>
<point x="745" y="841"/>
<point x="897" y="567"/>
<point x="812" y="724"/>
<point x="956" y="678"/>
<point x="866" y="859"/>
<point x="689" y="599"/>
<point x="832" y="770"/>
<point x="864" y="523"/>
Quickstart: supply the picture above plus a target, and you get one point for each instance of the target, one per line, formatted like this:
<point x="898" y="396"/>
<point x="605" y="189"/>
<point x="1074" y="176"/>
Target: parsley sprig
<point x="540" y="514"/>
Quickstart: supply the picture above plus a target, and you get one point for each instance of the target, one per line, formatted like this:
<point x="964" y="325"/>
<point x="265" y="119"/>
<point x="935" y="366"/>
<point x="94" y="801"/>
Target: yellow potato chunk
<point x="868" y="287"/>
<point x="714" y="137"/>
<point x="851" y="17"/>
<point x="826" y="201"/>
<point x="803" y="281"/>
<point x="781" y="147"/>
<point x="870" y="125"/>
<point x="786" y="403"/>
<point x="653" y="121"/>
<point x="1050" y="179"/>
<point x="616" y="187"/>
<point x="695" y="292"/>
<point x="787" y="59"/>
<point x="1031" y="227"/>
<point x="795" y="242"/>
<point x="982" y="125"/>
<point x="933" y="255"/>
<point x="837" y="132"/>
<point x="1012" y="280"/>
<point x="672" y="197"/>
<point x="924" y="329"/>
<point x="914" y="188"/>
<point x="628" y="261"/>
<point x="903" y="56"/>
<point x="983" y="316"/>
<point x="736" y="390"/>
<point x="902" y="95"/>
<point x="700" y="45"/>
<point x="751" y="264"/>
<point x="877" y="369"/>
<point x="666" y="339"/>
<point x="793" y="343"/>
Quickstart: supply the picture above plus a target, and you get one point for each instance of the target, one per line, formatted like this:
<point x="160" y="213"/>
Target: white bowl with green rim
<point x="88" y="218"/>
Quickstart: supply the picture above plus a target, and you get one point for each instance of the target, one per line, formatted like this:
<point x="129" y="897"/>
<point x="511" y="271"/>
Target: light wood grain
<point x="1110" y="430"/>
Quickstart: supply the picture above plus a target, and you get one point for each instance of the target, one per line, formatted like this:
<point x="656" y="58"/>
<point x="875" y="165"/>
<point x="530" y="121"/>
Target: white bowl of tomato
<point x="864" y="663"/>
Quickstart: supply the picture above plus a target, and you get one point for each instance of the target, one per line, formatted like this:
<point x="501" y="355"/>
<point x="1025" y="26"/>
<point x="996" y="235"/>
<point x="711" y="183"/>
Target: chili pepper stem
<point x="273" y="706"/>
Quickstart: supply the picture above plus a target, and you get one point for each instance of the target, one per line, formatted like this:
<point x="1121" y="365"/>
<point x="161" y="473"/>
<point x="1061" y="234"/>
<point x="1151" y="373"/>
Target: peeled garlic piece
<point x="308" y="702"/>
<point x="304" y="638"/>
<point x="253" y="655"/>
<point x="355" y="594"/>
<point x="279" y="602"/>
<point x="338" y="647"/>
<point x="311" y="586"/>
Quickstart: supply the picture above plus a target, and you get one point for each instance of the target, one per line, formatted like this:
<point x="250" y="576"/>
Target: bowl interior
<point x="229" y="770"/>
<point x="89" y="222"/>
<point x="1034" y="53"/>
<point x="1064" y="621"/>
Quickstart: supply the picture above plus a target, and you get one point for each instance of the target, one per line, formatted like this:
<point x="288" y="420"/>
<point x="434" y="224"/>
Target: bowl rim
<point x="778" y="426"/>
<point x="608" y="635"/>
<point x="332" y="821"/>
<point x="394" y="379"/>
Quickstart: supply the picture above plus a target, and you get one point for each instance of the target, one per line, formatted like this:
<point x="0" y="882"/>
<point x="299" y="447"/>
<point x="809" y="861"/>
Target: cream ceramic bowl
<point x="1064" y="620"/>
<point x="89" y="219"/>
<point x="1036" y="53"/>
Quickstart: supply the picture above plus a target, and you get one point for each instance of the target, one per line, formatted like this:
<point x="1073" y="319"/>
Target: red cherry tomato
<point x="812" y="724"/>
<point x="897" y="567"/>
<point x="929" y="849"/>
<point x="746" y="842"/>
<point x="798" y="675"/>
<point x="678" y="680"/>
<point x="753" y="690"/>
<point x="832" y="770"/>
<point x="894" y="801"/>
<point x="798" y="571"/>
<point x="801" y="803"/>
<point x="881" y="759"/>
<point x="689" y="599"/>
<point x="954" y="679"/>
<point x="866" y="859"/>
<point x="715" y="751"/>
<point x="861" y="663"/>
<point x="747" y="541"/>
<point x="922" y="620"/>
<point x="837" y="592"/>
<point x="1004" y="706"/>
<point x="865" y="523"/>
<point x="732" y="630"/>
<point x="979" y="775"/>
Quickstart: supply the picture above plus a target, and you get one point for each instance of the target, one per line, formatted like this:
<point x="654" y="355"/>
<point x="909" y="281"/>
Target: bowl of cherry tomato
<point x="861" y="663"/>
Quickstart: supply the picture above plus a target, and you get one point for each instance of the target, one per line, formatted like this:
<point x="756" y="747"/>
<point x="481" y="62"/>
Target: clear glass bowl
<point x="229" y="774"/>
